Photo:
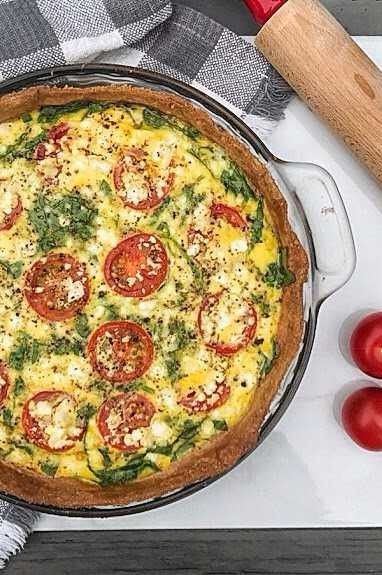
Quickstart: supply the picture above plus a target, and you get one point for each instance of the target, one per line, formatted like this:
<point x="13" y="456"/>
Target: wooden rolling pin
<point x="326" y="68"/>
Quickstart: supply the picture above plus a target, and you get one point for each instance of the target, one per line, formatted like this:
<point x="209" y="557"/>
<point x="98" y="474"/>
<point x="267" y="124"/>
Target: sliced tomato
<point x="52" y="146"/>
<point x="120" y="351"/>
<point x="8" y="220"/>
<point x="137" y="266"/>
<point x="57" y="286"/>
<point x="58" y="131"/>
<point x="40" y="152"/>
<point x="202" y="400"/>
<point x="4" y="382"/>
<point x="139" y="183"/>
<point x="241" y="318"/>
<point x="230" y="215"/>
<point x="122" y="414"/>
<point x="50" y="420"/>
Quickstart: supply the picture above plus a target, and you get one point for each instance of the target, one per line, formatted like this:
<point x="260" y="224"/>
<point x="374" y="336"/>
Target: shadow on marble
<point x="344" y="392"/>
<point x="347" y="329"/>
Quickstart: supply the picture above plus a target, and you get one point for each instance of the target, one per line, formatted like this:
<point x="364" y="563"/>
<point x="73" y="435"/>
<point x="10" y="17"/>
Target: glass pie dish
<point x="316" y="213"/>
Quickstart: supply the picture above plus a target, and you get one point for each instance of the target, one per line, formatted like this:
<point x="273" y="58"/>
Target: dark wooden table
<point x="238" y="552"/>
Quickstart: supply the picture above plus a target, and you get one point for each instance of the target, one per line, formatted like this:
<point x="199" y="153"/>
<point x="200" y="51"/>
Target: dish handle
<point x="327" y="233"/>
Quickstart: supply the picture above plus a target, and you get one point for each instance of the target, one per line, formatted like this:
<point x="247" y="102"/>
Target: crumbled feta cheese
<point x="160" y="430"/>
<point x="146" y="307"/>
<point x="193" y="250"/>
<point x="75" y="290"/>
<point x="40" y="409"/>
<point x="238" y="246"/>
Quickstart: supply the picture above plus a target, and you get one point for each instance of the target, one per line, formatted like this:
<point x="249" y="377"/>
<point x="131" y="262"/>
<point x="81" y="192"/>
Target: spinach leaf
<point x="157" y="119"/>
<point x="220" y="424"/>
<point x="14" y="269"/>
<point x="105" y="188"/>
<point x="112" y="312"/>
<point x="49" y="114"/>
<point x="126" y="473"/>
<point x="163" y="227"/>
<point x="105" y="456"/>
<point x="190" y="428"/>
<point x="277" y="274"/>
<point x="205" y="155"/>
<point x="181" y="338"/>
<point x="182" y="448"/>
<point x="266" y="361"/>
<point x="94" y="107"/>
<point x="55" y="218"/>
<point x="156" y="330"/>
<point x="102" y="386"/>
<point x="11" y="150"/>
<point x="190" y="132"/>
<point x="182" y="335"/>
<point x="63" y="346"/>
<point x="7" y="417"/>
<point x="235" y="182"/>
<point x="137" y="385"/>
<point x="185" y="440"/>
<point x="81" y="324"/>
<point x="49" y="468"/>
<point x="154" y="118"/>
<point x="26" y="117"/>
<point x="23" y="147"/>
<point x="19" y="385"/>
<point x="86" y="411"/>
<point x="27" y="350"/>
<point x="172" y="364"/>
<point x="257" y="223"/>
<point x="261" y="301"/>
<point x="162" y="449"/>
<point x="30" y="145"/>
<point x="20" y="444"/>
<point x="192" y="200"/>
<point x="146" y="388"/>
<point x="159" y="210"/>
<point x="196" y="270"/>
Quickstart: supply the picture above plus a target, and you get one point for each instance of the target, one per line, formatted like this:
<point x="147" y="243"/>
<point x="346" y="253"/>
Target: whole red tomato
<point x="366" y="345"/>
<point x="362" y="417"/>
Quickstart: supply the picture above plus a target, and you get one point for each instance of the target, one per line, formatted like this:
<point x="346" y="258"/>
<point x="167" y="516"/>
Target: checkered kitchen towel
<point x="153" y="34"/>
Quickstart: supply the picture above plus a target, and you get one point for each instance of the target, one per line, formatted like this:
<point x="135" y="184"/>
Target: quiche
<point x="150" y="299"/>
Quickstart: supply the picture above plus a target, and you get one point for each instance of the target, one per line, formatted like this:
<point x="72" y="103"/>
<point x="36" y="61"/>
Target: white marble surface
<point x="307" y="473"/>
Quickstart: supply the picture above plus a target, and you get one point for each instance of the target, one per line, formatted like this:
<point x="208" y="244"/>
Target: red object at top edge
<point x="263" y="10"/>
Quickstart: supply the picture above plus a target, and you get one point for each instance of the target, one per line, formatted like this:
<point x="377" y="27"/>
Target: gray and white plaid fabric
<point x="152" y="34"/>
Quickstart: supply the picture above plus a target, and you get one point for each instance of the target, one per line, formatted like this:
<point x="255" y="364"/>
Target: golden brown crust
<point x="222" y="452"/>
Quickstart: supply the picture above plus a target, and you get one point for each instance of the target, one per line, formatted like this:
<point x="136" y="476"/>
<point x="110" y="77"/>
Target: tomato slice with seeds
<point x="226" y="322"/>
<point x="139" y="183"/>
<point x="58" y="131"/>
<point x="203" y="400"/>
<point x="52" y="147"/>
<point x="57" y="286"/>
<point x="120" y="415"/>
<point x="50" y="420"/>
<point x="137" y="266"/>
<point x="120" y="351"/>
<point x="11" y="215"/>
<point x="4" y="382"/>
<point x="230" y="215"/>
<point x="40" y="152"/>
